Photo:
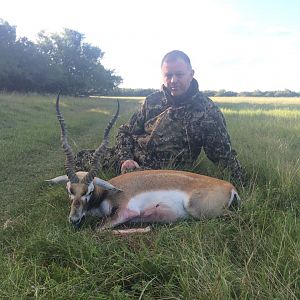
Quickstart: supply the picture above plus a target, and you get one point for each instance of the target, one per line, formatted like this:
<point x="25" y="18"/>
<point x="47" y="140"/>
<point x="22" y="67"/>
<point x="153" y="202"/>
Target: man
<point x="174" y="124"/>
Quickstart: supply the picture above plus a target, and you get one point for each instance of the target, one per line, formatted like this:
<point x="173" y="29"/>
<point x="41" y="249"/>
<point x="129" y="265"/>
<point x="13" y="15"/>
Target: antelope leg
<point x="118" y="218"/>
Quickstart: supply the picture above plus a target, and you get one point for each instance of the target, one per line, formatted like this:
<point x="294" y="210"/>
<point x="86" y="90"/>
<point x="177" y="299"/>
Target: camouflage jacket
<point x="167" y="131"/>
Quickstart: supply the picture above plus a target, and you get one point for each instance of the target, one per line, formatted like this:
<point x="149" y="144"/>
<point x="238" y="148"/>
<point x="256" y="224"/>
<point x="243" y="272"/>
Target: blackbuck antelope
<point x="162" y="196"/>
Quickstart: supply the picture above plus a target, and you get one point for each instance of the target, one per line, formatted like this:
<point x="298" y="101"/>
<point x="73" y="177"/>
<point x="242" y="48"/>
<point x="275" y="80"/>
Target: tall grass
<point x="254" y="254"/>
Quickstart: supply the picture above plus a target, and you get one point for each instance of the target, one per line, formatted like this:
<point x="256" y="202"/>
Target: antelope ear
<point x="59" y="179"/>
<point x="105" y="185"/>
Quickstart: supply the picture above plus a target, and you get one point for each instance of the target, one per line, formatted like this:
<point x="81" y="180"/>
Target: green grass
<point x="253" y="255"/>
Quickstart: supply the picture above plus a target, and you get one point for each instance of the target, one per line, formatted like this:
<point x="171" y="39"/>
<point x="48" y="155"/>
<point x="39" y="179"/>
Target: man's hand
<point x="129" y="166"/>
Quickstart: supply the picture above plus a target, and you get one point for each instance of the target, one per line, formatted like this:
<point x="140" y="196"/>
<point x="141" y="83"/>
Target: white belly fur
<point x="159" y="206"/>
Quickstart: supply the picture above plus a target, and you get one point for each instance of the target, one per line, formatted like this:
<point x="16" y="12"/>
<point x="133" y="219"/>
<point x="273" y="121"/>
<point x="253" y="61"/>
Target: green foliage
<point x="253" y="254"/>
<point x="57" y="61"/>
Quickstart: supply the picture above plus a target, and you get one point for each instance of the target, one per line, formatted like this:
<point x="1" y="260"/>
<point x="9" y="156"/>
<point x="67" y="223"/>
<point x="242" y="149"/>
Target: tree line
<point x="54" y="62"/>
<point x="255" y="93"/>
<point x="210" y="93"/>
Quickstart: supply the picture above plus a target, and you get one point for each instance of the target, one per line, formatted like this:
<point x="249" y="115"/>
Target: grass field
<point x="253" y="255"/>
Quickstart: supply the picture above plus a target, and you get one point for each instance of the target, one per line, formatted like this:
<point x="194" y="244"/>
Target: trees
<point x="224" y="93"/>
<point x="7" y="61"/>
<point x="57" y="61"/>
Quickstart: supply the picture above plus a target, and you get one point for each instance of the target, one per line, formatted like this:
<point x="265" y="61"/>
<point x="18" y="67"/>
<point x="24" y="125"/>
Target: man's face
<point x="177" y="76"/>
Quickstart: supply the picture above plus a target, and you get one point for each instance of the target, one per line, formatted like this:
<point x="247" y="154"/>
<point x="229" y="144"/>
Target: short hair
<point x="174" y="55"/>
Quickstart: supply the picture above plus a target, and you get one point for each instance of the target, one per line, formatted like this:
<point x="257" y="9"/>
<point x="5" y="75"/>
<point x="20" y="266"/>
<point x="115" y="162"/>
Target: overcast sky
<point x="233" y="44"/>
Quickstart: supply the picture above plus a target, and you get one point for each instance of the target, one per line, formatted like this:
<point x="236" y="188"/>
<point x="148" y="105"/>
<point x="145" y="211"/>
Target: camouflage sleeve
<point x="217" y="145"/>
<point x="124" y="142"/>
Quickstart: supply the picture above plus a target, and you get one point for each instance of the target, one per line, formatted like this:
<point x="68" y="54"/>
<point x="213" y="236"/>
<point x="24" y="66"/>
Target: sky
<point x="237" y="45"/>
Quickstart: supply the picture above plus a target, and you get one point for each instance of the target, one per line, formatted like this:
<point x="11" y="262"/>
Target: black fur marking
<point x="95" y="202"/>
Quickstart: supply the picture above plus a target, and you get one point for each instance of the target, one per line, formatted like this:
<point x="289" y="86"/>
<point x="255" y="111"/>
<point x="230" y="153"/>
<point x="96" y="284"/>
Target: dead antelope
<point x="162" y="196"/>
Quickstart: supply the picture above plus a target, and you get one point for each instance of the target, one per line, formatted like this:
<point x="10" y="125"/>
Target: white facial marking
<point x="71" y="196"/>
<point x="85" y="197"/>
<point x="68" y="186"/>
<point x="89" y="192"/>
<point x="91" y="188"/>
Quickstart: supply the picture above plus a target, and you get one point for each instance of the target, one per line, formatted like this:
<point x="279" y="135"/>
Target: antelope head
<point x="83" y="187"/>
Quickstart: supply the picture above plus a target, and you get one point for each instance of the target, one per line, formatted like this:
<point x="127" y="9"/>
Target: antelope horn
<point x="69" y="162"/>
<point x="95" y="165"/>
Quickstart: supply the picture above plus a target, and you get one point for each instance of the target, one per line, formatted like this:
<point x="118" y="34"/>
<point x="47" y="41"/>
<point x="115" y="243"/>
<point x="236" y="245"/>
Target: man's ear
<point x="59" y="179"/>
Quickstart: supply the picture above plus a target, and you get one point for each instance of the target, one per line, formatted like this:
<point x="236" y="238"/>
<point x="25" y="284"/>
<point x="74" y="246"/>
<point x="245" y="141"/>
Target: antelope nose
<point x="77" y="222"/>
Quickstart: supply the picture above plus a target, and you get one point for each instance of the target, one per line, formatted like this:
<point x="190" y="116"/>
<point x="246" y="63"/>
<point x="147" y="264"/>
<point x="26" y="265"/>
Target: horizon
<point x="232" y="45"/>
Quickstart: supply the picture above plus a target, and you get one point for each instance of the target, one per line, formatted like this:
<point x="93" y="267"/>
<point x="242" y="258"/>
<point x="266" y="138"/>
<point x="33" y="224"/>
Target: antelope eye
<point x="84" y="199"/>
<point x="88" y="196"/>
<point x="89" y="193"/>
